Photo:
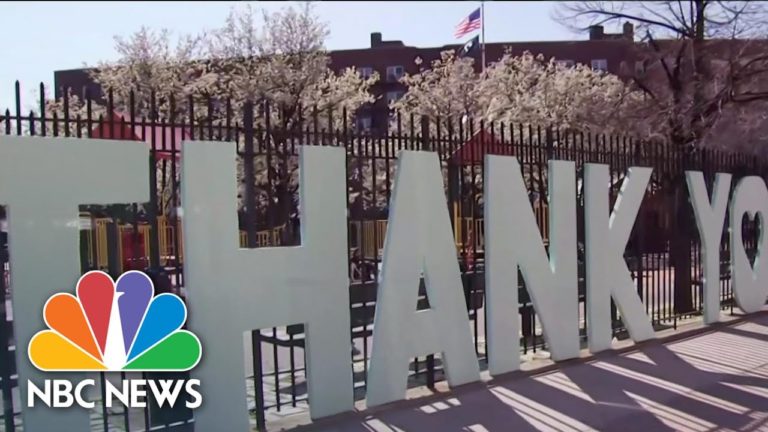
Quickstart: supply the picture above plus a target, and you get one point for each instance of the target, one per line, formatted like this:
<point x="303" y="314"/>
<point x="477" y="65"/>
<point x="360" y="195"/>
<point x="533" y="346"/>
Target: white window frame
<point x="396" y="72"/>
<point x="397" y="93"/>
<point x="365" y="71"/>
<point x="599" y="65"/>
<point x="365" y="122"/>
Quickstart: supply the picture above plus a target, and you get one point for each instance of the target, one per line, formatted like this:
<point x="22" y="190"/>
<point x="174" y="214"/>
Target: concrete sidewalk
<point x="714" y="381"/>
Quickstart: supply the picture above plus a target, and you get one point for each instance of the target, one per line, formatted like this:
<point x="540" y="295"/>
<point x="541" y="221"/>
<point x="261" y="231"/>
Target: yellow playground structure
<point x="367" y="236"/>
<point x="94" y="233"/>
<point x="366" y="239"/>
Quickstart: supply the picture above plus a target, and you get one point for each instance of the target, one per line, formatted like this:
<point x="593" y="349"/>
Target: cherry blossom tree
<point x="148" y="64"/>
<point x="449" y="89"/>
<point x="281" y="59"/>
<point x="275" y="62"/>
<point x="519" y="89"/>
<point x="529" y="89"/>
<point x="278" y="62"/>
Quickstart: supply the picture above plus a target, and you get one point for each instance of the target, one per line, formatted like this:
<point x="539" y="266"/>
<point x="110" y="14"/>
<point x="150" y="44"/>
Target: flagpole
<point x="482" y="32"/>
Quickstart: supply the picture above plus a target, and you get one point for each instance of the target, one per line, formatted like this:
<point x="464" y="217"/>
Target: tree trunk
<point x="680" y="250"/>
<point x="681" y="233"/>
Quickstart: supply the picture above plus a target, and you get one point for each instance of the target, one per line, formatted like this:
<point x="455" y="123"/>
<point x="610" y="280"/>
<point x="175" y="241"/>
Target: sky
<point x="41" y="37"/>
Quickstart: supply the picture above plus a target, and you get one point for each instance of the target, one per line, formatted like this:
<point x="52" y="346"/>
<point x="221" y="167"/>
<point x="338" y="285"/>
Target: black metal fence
<point x="663" y="253"/>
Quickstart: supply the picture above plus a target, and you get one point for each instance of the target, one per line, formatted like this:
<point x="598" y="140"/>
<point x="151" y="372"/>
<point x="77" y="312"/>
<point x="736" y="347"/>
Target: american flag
<point x="468" y="24"/>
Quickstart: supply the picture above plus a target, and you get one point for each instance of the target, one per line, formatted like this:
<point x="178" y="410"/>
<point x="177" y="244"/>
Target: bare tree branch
<point x="702" y="74"/>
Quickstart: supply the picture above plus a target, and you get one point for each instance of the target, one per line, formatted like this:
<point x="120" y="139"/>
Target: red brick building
<point x="392" y="58"/>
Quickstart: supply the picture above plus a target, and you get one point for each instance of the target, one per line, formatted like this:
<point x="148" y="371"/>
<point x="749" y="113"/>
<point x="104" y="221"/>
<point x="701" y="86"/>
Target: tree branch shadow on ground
<point x="656" y="388"/>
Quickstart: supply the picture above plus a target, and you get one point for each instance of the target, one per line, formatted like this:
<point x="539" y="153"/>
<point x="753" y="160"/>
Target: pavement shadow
<point x="714" y="381"/>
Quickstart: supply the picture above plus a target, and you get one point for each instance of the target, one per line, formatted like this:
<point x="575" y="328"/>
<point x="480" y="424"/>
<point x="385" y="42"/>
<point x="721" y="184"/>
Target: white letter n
<point x="512" y="242"/>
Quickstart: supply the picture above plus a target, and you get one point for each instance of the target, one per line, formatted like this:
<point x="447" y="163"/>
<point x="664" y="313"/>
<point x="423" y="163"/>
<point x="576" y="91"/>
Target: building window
<point x="394" y="73"/>
<point x="564" y="63"/>
<point x="364" y="123"/>
<point x="600" y="65"/>
<point x="365" y="71"/>
<point x="394" y="96"/>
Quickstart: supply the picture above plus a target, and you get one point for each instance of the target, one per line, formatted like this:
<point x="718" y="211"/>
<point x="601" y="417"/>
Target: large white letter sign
<point x="235" y="290"/>
<point x="710" y="218"/>
<point x="607" y="272"/>
<point x="750" y="285"/>
<point x="42" y="181"/>
<point x="512" y="241"/>
<point x="419" y="237"/>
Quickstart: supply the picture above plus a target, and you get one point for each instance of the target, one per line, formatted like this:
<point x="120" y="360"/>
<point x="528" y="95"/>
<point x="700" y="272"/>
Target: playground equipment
<point x="366" y="239"/>
<point x="134" y="248"/>
<point x="367" y="236"/>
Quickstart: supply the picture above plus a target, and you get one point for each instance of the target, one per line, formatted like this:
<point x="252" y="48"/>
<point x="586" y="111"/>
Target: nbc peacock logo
<point x="114" y="326"/>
